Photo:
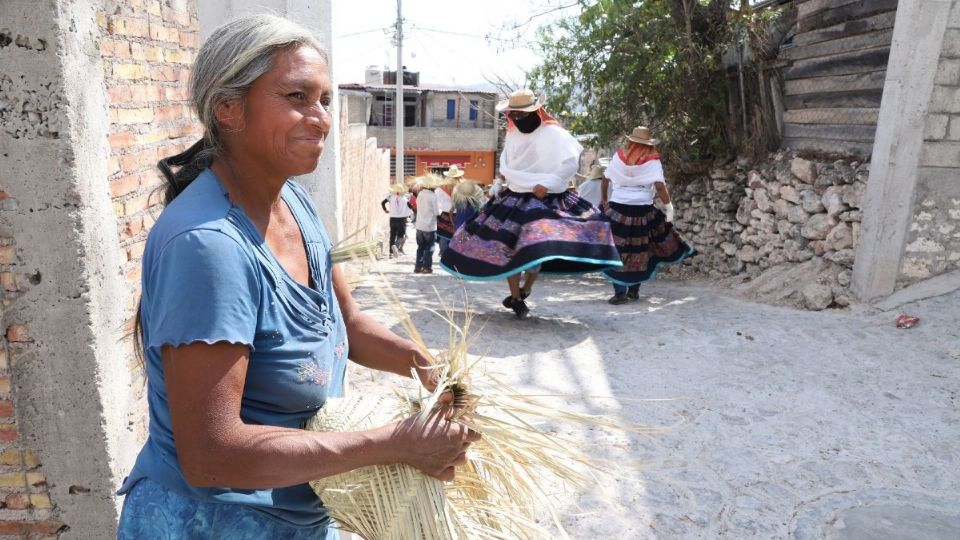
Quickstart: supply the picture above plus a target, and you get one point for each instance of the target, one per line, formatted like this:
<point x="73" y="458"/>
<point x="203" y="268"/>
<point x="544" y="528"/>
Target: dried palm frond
<point x="362" y="250"/>
<point x="502" y="491"/>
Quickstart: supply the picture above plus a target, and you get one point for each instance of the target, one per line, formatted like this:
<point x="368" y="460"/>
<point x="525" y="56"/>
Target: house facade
<point x="443" y="126"/>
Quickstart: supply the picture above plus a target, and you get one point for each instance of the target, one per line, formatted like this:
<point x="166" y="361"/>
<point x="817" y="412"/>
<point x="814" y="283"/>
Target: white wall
<point x="316" y="15"/>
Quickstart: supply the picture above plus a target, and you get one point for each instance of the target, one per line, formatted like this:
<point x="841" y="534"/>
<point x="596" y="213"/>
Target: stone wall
<point x="746" y="218"/>
<point x="933" y="238"/>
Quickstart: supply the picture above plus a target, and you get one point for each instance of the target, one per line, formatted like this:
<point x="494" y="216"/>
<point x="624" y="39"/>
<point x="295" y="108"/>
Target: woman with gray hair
<point x="245" y="323"/>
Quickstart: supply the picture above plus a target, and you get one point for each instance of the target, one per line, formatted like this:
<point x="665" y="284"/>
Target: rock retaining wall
<point x="745" y="218"/>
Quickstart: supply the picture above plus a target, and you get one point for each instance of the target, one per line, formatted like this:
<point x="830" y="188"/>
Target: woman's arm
<point x="604" y="190"/>
<point x="216" y="448"/>
<point x="374" y="346"/>
<point x="662" y="192"/>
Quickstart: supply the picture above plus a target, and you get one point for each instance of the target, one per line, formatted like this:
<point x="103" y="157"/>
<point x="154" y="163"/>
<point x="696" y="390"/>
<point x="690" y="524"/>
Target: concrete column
<point x="888" y="204"/>
<point x="70" y="380"/>
<point x="317" y="15"/>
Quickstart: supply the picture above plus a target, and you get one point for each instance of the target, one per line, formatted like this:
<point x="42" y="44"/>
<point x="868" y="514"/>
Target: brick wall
<point x="26" y="510"/>
<point x="933" y="239"/>
<point x="147" y="48"/>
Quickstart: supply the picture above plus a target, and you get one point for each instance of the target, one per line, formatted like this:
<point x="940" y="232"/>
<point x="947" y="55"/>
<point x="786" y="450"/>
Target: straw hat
<point x="641" y="135"/>
<point x="398" y="189"/>
<point x="453" y="172"/>
<point x="523" y="100"/>
<point x="427" y="181"/>
<point x="595" y="172"/>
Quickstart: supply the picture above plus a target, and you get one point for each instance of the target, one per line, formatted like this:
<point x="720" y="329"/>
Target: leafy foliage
<point x="622" y="63"/>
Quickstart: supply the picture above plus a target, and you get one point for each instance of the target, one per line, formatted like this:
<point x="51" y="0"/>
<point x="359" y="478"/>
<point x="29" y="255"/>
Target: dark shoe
<point x="524" y="294"/>
<point x="508" y="302"/>
<point x="633" y="295"/>
<point x="618" y="299"/>
<point x="418" y="270"/>
<point x="520" y="308"/>
<point x="428" y="270"/>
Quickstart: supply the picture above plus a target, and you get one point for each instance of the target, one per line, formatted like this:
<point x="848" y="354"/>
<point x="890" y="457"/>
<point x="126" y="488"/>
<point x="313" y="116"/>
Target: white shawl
<point x="549" y="156"/>
<point x="623" y="175"/>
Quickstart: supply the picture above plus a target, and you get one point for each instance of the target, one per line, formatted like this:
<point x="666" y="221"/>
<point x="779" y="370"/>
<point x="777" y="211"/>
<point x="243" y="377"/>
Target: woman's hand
<point x="539" y="191"/>
<point x="434" y="447"/>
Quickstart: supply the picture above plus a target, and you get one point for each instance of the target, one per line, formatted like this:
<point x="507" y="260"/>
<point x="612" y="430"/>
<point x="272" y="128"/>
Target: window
<point x="451" y="109"/>
<point x="474" y="105"/>
<point x="409" y="165"/>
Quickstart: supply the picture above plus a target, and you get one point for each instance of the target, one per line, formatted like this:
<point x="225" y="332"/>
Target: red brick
<point x="20" y="527"/>
<point x="189" y="40"/>
<point x="8" y="280"/>
<point x="136" y="205"/>
<point x="135" y="251"/>
<point x="6" y="408"/>
<point x="125" y="26"/>
<point x="124" y="185"/>
<point x="164" y="73"/>
<point x="8" y="255"/>
<point x="17" y="501"/>
<point x="121" y="139"/>
<point x="3" y="195"/>
<point x="8" y="432"/>
<point x="139" y="160"/>
<point x="176" y="93"/>
<point x="4" y="386"/>
<point x="146" y="92"/>
<point x="133" y="275"/>
<point x="153" y="54"/>
<point x="17" y="333"/>
<point x="171" y="112"/>
<point x="106" y="47"/>
<point x="136" y="51"/>
<point x="121" y="49"/>
<point x="119" y="94"/>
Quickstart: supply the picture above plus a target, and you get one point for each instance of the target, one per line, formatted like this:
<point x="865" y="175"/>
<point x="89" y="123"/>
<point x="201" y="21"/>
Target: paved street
<point x="777" y="423"/>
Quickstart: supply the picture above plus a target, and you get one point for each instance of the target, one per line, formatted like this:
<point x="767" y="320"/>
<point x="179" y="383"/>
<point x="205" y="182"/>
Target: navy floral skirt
<point x="562" y="233"/>
<point x="645" y="240"/>
<point x="151" y="511"/>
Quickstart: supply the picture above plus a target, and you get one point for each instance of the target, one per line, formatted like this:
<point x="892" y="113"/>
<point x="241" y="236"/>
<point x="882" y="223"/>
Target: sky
<point x="444" y="39"/>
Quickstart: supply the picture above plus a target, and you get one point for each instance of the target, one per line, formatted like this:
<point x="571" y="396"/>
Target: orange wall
<point x="479" y="165"/>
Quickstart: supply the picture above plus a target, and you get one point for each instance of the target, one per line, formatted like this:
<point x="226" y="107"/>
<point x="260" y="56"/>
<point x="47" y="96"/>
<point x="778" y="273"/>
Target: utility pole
<point x="398" y="102"/>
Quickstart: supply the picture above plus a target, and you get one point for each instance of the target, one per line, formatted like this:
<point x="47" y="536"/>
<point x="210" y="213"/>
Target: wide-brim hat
<point x="453" y="172"/>
<point x="595" y="172"/>
<point x="398" y="189"/>
<point x="427" y="181"/>
<point x="642" y="135"/>
<point x="522" y="100"/>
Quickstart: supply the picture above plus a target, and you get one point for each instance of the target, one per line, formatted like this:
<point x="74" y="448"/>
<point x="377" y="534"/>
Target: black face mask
<point x="528" y="123"/>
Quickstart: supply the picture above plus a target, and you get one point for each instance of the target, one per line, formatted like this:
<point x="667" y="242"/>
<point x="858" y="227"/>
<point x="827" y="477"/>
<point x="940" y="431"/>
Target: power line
<point x="372" y="30"/>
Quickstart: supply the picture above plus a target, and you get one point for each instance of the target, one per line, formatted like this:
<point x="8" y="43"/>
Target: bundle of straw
<point x="499" y="494"/>
<point x="361" y="250"/>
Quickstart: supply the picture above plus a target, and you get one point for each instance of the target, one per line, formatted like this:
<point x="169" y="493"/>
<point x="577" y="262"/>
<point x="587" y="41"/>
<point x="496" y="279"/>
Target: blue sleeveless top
<point x="208" y="276"/>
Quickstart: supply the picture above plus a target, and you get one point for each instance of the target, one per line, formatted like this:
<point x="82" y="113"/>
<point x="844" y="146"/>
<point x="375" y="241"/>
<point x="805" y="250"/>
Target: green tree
<point x="621" y="63"/>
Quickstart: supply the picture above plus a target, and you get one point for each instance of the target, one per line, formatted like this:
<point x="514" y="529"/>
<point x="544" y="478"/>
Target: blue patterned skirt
<point x="645" y="240"/>
<point x="151" y="511"/>
<point x="516" y="231"/>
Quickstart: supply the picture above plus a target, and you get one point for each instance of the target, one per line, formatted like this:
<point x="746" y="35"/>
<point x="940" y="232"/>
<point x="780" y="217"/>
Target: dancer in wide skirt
<point x="534" y="221"/>
<point x="644" y="235"/>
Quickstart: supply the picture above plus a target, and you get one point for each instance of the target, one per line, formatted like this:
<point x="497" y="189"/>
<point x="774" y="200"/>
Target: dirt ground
<point x="776" y="423"/>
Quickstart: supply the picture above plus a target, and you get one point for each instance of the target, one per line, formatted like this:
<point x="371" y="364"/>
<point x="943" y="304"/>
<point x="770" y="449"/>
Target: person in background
<point x="426" y="222"/>
<point x="468" y="198"/>
<point x="535" y="222"/>
<point x="589" y="190"/>
<point x="397" y="205"/>
<point x="445" y="221"/>
<point x="245" y="325"/>
<point x="644" y="235"/>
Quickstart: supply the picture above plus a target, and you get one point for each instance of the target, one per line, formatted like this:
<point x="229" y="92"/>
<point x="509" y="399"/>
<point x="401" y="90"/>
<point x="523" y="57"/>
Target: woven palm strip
<point x="382" y="502"/>
<point x="500" y="494"/>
